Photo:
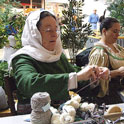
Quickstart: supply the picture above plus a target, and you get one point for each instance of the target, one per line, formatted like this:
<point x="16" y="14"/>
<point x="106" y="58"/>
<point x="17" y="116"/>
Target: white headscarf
<point x="32" y="39"/>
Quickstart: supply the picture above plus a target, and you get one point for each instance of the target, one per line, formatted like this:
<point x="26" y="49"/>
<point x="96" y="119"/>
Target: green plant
<point x="116" y="9"/>
<point x="74" y="31"/>
<point x="10" y="18"/>
<point x="3" y="71"/>
<point x="3" y="35"/>
<point x="18" y="24"/>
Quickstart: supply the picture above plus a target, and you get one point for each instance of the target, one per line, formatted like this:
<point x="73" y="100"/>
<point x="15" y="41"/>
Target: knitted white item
<point x="40" y="104"/>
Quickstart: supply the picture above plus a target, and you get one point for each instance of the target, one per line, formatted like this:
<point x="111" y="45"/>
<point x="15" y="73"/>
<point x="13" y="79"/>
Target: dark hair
<point x="42" y="16"/>
<point x="102" y="17"/>
<point x="107" y="23"/>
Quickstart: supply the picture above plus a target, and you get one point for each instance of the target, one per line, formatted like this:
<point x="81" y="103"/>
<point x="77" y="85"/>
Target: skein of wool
<point x="40" y="104"/>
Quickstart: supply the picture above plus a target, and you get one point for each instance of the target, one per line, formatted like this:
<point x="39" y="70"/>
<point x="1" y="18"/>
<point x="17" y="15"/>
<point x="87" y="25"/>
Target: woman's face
<point x="48" y="30"/>
<point x="111" y="35"/>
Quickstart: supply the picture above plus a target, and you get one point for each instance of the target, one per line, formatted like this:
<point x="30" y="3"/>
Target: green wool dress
<point x="34" y="76"/>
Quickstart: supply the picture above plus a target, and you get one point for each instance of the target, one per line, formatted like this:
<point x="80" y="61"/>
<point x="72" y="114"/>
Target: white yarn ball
<point x="65" y="118"/>
<point x="73" y="103"/>
<point x="69" y="109"/>
<point x="55" y="118"/>
<point x="53" y="110"/>
<point x="77" y="98"/>
<point x="84" y="106"/>
<point x="91" y="106"/>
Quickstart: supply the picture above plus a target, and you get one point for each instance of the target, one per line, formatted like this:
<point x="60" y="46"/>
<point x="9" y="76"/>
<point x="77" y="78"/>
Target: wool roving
<point x="69" y="109"/>
<point x="77" y="98"/>
<point x="87" y="107"/>
<point x="56" y="118"/>
<point x="68" y="112"/>
<point x="40" y="104"/>
<point x="73" y="103"/>
<point x="65" y="118"/>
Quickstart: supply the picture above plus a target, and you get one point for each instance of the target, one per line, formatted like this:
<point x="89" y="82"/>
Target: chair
<point x="10" y="89"/>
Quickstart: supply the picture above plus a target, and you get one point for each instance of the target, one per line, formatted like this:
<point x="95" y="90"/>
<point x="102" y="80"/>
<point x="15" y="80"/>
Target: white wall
<point x="90" y="5"/>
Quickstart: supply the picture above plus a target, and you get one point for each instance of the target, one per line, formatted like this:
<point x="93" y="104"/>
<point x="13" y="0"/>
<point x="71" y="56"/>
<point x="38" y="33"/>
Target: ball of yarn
<point x="53" y="110"/>
<point x="69" y="109"/>
<point x="73" y="103"/>
<point x="91" y="107"/>
<point x="40" y="104"/>
<point x="65" y="118"/>
<point x="76" y="98"/>
<point x="84" y="106"/>
<point x="55" y="119"/>
<point x="39" y="100"/>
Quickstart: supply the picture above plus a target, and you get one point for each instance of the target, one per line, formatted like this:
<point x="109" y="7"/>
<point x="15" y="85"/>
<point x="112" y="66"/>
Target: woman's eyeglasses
<point x="50" y="30"/>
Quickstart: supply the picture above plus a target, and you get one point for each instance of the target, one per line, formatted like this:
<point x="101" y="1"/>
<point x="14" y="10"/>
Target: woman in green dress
<point x="41" y="66"/>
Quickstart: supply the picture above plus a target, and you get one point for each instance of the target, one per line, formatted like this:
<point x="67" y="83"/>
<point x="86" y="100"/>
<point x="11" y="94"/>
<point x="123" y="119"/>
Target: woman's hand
<point x="117" y="72"/>
<point x="121" y="71"/>
<point x="88" y="72"/>
<point x="93" y="72"/>
<point x="104" y="73"/>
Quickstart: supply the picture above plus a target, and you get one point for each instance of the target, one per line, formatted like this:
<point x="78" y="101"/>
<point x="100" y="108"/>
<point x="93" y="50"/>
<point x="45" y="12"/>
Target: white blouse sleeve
<point x="72" y="82"/>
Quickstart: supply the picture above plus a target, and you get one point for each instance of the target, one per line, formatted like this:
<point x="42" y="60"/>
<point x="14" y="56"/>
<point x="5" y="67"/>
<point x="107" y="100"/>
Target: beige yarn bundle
<point x="40" y="104"/>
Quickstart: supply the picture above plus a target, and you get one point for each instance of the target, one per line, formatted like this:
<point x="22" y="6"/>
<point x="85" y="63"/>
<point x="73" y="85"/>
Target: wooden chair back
<point x="10" y="89"/>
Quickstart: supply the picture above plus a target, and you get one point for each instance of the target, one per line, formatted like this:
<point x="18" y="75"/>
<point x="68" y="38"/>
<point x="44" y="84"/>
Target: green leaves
<point x="117" y="11"/>
<point x="10" y="17"/>
<point x="74" y="31"/>
<point x="3" y="35"/>
<point x="18" y="24"/>
<point x="3" y="70"/>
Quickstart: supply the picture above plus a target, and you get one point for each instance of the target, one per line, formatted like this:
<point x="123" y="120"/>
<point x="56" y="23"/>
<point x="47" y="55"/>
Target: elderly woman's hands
<point x="93" y="72"/>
